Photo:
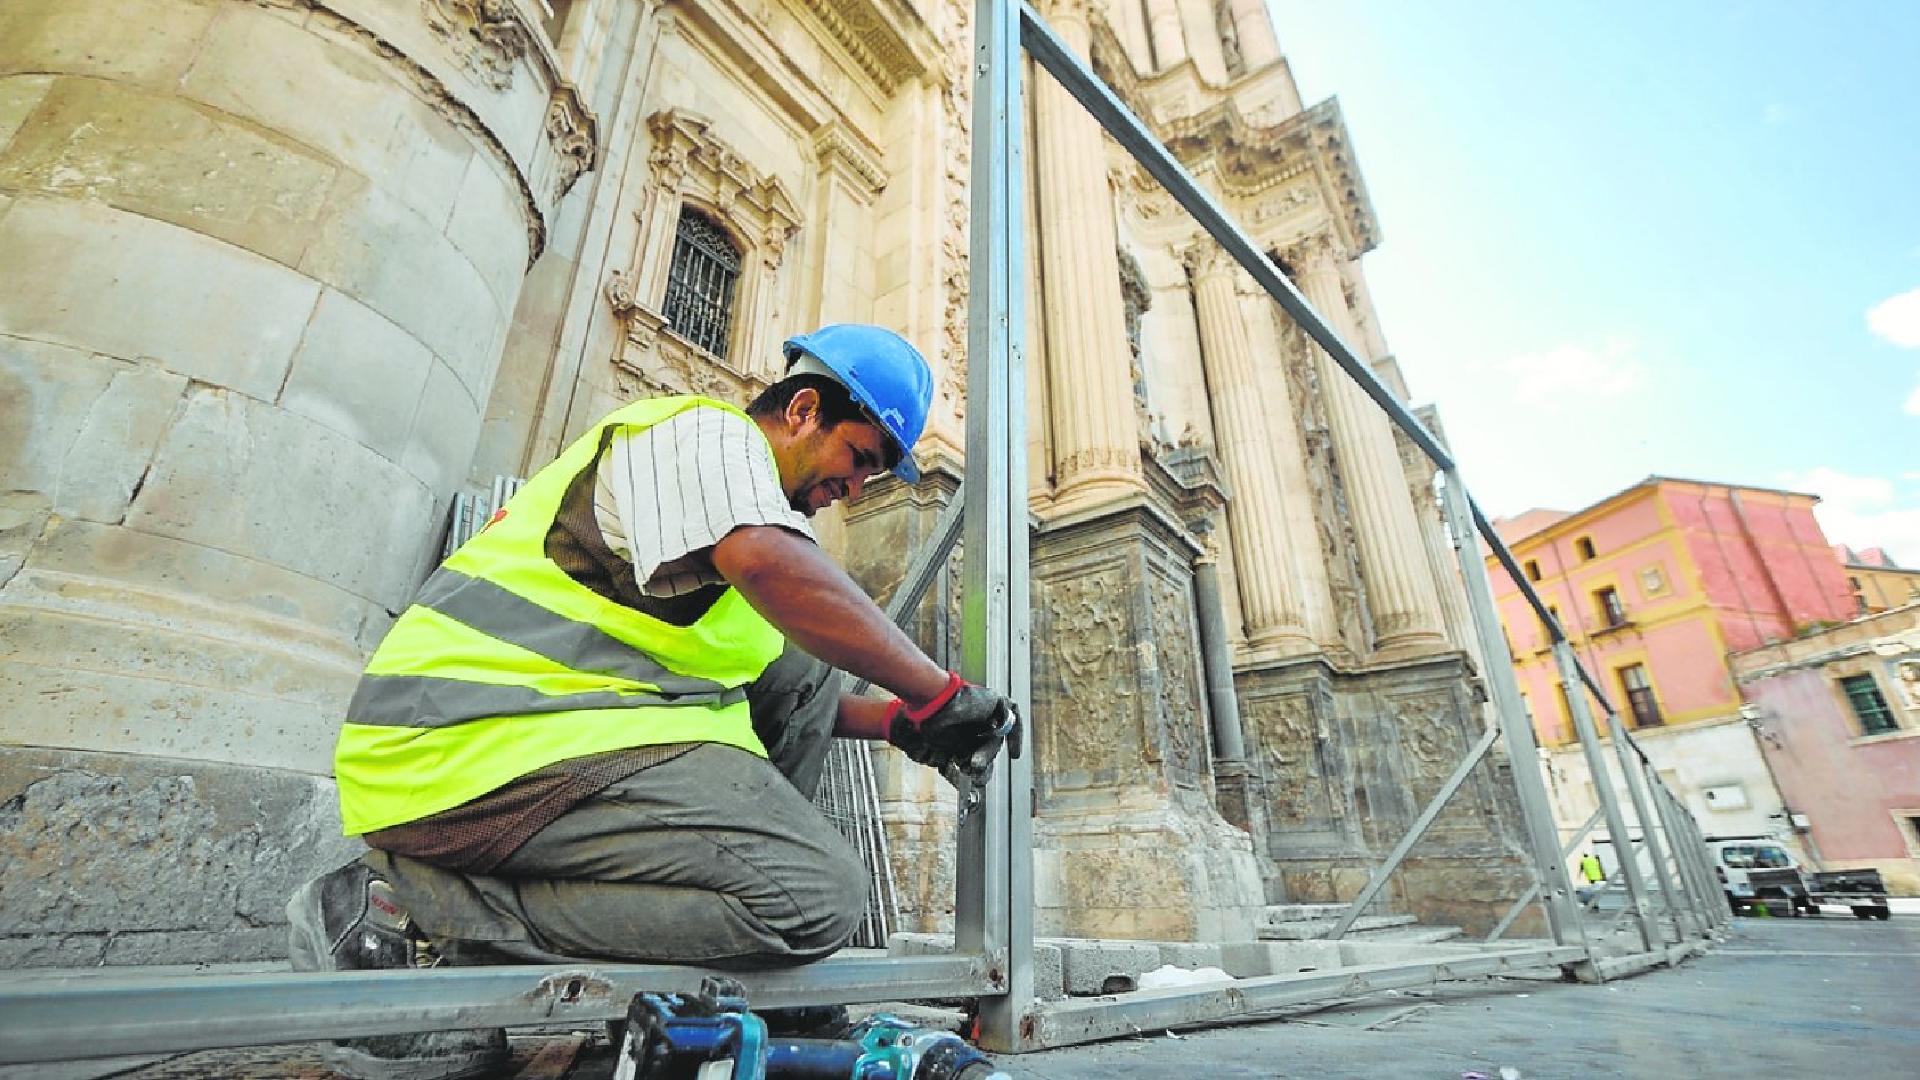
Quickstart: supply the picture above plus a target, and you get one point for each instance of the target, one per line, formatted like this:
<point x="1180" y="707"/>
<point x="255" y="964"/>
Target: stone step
<point x="1311" y="929"/>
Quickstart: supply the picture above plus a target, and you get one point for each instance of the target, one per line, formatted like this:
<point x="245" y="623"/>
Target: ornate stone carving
<point x="956" y="108"/>
<point x="1289" y="743"/>
<point x="1176" y="653"/>
<point x="572" y="132"/>
<point x="875" y="42"/>
<point x="486" y="36"/>
<point x="1088" y="627"/>
<point x="1426" y="726"/>
<point x="835" y="149"/>
<point x="653" y="360"/>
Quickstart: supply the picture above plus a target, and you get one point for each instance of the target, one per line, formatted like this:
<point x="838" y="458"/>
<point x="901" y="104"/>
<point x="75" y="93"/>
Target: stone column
<point x="1254" y="32"/>
<point x="1096" y="448"/>
<point x="1400" y="591"/>
<point x="1256" y="519"/>
<point x="260" y="260"/>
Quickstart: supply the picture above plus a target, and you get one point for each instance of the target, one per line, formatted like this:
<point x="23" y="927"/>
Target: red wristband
<point x="917" y="716"/>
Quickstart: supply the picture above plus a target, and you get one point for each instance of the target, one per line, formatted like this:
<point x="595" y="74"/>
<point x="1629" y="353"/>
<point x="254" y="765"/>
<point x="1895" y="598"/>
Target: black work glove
<point x="955" y="727"/>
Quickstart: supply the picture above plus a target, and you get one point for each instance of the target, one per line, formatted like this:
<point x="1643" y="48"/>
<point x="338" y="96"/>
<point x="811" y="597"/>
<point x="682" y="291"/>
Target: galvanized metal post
<point x="993" y="910"/>
<point x="1535" y="808"/>
<point x="1603" y="788"/>
<point x="1670" y="896"/>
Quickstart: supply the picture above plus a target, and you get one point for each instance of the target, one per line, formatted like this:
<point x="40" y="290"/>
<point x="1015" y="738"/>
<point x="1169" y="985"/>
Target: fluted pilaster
<point x="1257" y="518"/>
<point x="1096" y="445"/>
<point x="1400" y="593"/>
<point x="1163" y="27"/>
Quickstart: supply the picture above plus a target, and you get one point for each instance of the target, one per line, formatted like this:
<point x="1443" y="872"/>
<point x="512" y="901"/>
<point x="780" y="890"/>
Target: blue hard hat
<point x="883" y="372"/>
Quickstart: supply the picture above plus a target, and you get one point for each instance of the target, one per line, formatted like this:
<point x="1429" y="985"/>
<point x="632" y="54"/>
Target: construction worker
<point x="597" y="730"/>
<point x="1593" y="874"/>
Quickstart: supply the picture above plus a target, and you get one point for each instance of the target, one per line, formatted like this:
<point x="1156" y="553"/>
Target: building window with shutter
<point x="1639" y="691"/>
<point x="1584" y="548"/>
<point x="1607" y="603"/>
<point x="1533" y="570"/>
<point x="1869" y="705"/>
<point x="701" y="282"/>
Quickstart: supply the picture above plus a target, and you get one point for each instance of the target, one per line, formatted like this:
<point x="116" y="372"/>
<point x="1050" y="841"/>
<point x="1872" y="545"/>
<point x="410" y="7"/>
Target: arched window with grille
<point x="701" y="282"/>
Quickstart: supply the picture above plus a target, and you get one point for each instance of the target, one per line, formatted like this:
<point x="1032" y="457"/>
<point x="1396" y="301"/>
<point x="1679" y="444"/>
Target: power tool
<point x="713" y="1036"/>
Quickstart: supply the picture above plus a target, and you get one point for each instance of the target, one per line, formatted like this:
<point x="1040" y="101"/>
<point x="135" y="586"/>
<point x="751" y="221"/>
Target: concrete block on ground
<point x="904" y="944"/>
<point x="1251" y="959"/>
<point x="1393" y="952"/>
<point x="1091" y="966"/>
<point x="1190" y="954"/>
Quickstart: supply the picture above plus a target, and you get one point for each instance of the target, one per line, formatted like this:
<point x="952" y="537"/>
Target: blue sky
<point x="1632" y="238"/>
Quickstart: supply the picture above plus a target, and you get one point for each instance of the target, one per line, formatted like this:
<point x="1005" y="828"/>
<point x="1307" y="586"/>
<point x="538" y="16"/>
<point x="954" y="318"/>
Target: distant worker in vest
<point x="1593" y="874"/>
<point x="597" y="730"/>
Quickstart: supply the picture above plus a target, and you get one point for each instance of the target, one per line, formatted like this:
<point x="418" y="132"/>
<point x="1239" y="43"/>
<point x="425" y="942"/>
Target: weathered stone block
<point x="481" y="227"/>
<point x="1190" y="954"/>
<point x="101" y="279"/>
<point x="361" y="375"/>
<point x="271" y="72"/>
<point x="388" y="257"/>
<point x="164" y="157"/>
<point x="146" y="41"/>
<point x="445" y="427"/>
<point x="234" y="473"/>
<point x="19" y="95"/>
<point x="92" y="844"/>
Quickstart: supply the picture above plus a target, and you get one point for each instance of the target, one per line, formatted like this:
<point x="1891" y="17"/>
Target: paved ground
<point x="1828" y="997"/>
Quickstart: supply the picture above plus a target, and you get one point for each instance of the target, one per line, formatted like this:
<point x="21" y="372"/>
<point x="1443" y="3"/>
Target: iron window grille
<point x="1863" y="695"/>
<point x="1646" y="710"/>
<point x="700" y="283"/>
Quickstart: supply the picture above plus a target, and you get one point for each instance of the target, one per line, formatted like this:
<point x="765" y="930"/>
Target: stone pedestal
<point x="1345" y="762"/>
<point x="260" y="258"/>
<point x="1128" y="842"/>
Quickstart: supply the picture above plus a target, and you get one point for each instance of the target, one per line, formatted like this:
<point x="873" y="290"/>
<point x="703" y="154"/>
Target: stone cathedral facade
<point x="280" y="277"/>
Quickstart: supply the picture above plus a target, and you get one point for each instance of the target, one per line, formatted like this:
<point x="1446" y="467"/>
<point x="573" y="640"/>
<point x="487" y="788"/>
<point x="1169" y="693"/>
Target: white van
<point x="1755" y="870"/>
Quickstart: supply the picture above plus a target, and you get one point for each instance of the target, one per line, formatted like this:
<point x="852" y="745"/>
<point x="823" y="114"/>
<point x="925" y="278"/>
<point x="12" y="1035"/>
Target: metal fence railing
<point x="1674" y="901"/>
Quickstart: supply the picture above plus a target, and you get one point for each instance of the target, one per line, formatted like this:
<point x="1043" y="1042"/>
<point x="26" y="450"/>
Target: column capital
<point x="1205" y="258"/>
<point x="1319" y="252"/>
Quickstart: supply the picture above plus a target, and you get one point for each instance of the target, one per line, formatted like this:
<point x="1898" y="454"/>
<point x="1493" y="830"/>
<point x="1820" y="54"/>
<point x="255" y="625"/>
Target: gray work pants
<point x="716" y="857"/>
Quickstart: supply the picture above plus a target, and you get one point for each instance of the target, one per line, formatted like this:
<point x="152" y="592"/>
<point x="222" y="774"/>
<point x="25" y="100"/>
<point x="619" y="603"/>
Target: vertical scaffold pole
<point x="1556" y="892"/>
<point x="993" y="905"/>
<point x="1670" y="895"/>
<point x="1623" y="849"/>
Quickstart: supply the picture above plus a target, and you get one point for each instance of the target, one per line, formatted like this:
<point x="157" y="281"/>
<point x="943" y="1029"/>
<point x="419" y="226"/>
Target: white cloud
<point x="1864" y="511"/>
<point x="1897" y="319"/>
<point x="1912" y="407"/>
<point x="1575" y="373"/>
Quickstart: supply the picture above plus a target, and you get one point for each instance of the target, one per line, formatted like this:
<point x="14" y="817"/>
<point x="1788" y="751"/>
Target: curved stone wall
<point x="257" y="259"/>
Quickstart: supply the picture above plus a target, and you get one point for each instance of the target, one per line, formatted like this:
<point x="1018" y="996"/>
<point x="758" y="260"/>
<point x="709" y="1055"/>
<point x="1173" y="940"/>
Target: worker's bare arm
<point x="863" y="717"/>
<point x="797" y="588"/>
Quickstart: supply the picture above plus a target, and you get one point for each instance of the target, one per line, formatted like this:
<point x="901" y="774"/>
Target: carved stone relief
<point x="1176" y="653"/>
<point x="486" y="36"/>
<point x="956" y="107"/>
<point x="572" y="133"/>
<point x="1090" y="638"/>
<point x="1432" y="738"/>
<point x="1333" y="524"/>
<point x="1290" y="745"/>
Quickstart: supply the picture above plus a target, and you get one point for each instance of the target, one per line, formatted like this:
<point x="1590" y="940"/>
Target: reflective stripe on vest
<point x="504" y="664"/>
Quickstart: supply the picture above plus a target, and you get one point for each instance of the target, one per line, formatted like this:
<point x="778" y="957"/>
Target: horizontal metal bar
<point x="1098" y="99"/>
<point x="1072" y="1022"/>
<point x="54" y="1019"/>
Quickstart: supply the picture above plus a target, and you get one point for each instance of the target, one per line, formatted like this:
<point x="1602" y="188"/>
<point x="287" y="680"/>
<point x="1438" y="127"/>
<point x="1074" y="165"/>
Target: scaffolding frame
<point x="50" y="1017"/>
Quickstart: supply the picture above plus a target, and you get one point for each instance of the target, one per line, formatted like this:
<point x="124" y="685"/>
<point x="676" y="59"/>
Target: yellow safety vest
<point x="504" y="664"/>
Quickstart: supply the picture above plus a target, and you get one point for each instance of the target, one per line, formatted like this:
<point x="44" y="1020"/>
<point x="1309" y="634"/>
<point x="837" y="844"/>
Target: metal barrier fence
<point x="1675" y="895"/>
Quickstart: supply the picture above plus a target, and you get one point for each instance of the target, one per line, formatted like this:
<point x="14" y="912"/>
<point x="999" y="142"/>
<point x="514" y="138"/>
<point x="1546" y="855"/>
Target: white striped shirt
<point x="668" y="494"/>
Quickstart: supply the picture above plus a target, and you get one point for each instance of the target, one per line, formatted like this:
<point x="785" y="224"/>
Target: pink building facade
<point x="1838" y="714"/>
<point x="1657" y="585"/>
